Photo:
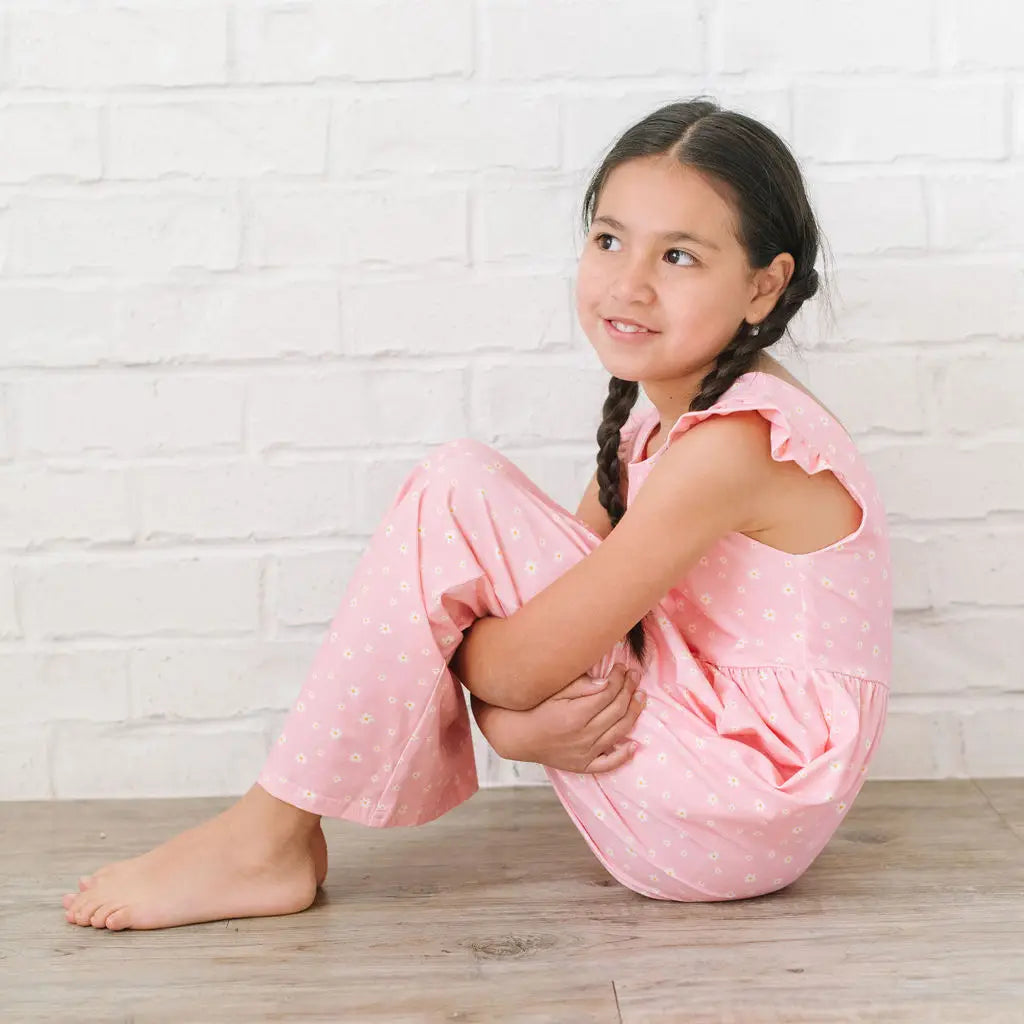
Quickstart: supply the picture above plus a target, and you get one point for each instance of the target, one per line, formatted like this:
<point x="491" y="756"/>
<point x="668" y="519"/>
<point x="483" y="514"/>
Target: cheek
<point x="589" y="287"/>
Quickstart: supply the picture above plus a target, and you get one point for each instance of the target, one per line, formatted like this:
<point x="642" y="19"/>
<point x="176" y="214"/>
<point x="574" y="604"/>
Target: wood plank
<point x="1007" y="797"/>
<point x="499" y="912"/>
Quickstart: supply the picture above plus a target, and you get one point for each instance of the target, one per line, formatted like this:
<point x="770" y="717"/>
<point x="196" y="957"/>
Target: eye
<point x="602" y="235"/>
<point x="683" y="253"/>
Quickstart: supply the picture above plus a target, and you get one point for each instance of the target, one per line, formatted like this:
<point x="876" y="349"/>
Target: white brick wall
<point x="256" y="257"/>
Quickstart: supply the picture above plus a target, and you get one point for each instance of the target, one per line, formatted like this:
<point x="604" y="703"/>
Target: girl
<point x="731" y="549"/>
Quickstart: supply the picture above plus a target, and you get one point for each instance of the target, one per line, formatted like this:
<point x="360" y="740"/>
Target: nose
<point x="632" y="284"/>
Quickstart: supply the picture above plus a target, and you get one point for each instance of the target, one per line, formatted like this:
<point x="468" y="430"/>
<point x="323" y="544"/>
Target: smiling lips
<point x="626" y="327"/>
<point x="624" y="323"/>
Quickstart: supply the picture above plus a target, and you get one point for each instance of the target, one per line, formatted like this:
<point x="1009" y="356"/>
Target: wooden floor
<point x="498" y="912"/>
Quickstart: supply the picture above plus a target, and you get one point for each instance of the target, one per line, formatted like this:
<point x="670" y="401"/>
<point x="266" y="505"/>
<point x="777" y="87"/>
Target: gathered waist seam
<point x="774" y="667"/>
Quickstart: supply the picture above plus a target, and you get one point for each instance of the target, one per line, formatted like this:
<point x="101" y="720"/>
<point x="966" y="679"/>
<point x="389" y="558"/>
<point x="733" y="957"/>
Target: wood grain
<point x="499" y="912"/>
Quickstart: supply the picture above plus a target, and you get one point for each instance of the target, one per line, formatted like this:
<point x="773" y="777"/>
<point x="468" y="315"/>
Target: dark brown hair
<point x="766" y="190"/>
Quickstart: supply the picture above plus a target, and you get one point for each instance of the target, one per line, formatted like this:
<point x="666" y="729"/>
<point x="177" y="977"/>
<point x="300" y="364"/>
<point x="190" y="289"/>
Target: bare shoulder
<point x="776" y="369"/>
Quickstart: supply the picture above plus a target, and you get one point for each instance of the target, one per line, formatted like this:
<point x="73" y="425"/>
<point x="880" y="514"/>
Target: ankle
<point x="278" y="818"/>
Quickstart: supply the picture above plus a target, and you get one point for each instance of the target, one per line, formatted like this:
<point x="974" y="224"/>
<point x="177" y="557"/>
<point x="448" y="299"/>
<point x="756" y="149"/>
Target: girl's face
<point x="691" y="292"/>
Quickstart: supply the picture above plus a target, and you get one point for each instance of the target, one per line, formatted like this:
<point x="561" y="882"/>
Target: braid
<point x="622" y="395"/>
<point x="737" y="358"/>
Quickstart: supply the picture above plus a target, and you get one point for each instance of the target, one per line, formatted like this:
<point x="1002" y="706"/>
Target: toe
<point x="85" y="907"/>
<point x="84" y="882"/>
<point x="98" y="919"/>
<point x="118" y="920"/>
<point x="69" y="898"/>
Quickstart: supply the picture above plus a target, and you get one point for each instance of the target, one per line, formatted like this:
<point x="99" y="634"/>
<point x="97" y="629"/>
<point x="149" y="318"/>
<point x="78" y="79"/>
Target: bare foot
<point x="260" y="857"/>
<point x="318" y="847"/>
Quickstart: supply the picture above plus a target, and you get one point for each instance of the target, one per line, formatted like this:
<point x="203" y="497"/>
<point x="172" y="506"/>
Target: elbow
<point x="519" y="691"/>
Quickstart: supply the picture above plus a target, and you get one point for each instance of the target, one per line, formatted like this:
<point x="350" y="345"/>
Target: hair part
<point x="763" y="183"/>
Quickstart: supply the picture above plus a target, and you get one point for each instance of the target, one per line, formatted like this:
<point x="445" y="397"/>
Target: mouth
<point x="627" y="330"/>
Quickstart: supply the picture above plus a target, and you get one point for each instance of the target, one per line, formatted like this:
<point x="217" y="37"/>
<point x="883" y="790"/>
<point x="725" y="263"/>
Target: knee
<point x="465" y="446"/>
<point x="462" y="449"/>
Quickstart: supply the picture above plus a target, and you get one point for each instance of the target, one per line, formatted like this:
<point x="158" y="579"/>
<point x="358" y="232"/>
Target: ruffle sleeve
<point x="806" y="437"/>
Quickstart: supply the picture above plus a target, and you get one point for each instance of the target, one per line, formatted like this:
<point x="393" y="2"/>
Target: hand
<point x="582" y="728"/>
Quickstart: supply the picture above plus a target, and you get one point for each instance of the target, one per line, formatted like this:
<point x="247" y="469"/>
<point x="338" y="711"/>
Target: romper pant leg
<point x="380" y="732"/>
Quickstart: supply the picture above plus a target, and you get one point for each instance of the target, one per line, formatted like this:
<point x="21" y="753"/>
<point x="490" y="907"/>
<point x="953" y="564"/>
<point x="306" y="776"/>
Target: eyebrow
<point x="669" y="236"/>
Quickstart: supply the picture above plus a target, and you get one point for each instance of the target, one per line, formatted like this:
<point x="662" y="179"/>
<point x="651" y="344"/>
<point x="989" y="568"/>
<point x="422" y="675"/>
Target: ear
<point x="768" y="284"/>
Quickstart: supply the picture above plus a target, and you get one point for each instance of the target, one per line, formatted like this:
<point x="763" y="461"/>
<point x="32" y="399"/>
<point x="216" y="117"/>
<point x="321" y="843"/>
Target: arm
<point x="480" y="658"/>
<point x="495" y="724"/>
<point x="708" y="483"/>
<point x="581" y="729"/>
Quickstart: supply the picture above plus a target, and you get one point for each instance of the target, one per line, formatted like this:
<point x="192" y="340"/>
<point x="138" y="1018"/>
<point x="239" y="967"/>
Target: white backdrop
<point x="256" y="257"/>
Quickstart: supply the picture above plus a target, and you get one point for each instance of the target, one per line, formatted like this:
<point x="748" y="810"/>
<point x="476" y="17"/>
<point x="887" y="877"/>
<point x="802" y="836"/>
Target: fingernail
<point x="640" y="696"/>
<point x="598" y="683"/>
<point x="633" y="746"/>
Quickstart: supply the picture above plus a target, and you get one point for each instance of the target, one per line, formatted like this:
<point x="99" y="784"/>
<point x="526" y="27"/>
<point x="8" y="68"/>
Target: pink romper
<point x="767" y="682"/>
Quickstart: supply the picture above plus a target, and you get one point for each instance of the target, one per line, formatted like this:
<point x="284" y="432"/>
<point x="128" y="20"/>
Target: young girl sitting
<point x="731" y="550"/>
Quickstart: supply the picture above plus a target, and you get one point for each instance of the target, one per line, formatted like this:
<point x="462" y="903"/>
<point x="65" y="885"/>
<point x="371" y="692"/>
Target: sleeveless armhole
<point x="801" y="432"/>
<point x="628" y="432"/>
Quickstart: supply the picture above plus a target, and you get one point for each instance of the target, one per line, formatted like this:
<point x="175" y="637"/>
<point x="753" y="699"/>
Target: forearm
<point x="502" y="728"/>
<point x="485" y="667"/>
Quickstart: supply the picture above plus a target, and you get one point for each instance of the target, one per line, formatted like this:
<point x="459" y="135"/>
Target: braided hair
<point x="774" y="216"/>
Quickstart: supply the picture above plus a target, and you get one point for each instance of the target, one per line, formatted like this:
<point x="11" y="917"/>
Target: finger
<point x="585" y="686"/>
<point x="613" y="712"/>
<point x="621" y="729"/>
<point x="613" y="759"/>
<point x="618" y="684"/>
